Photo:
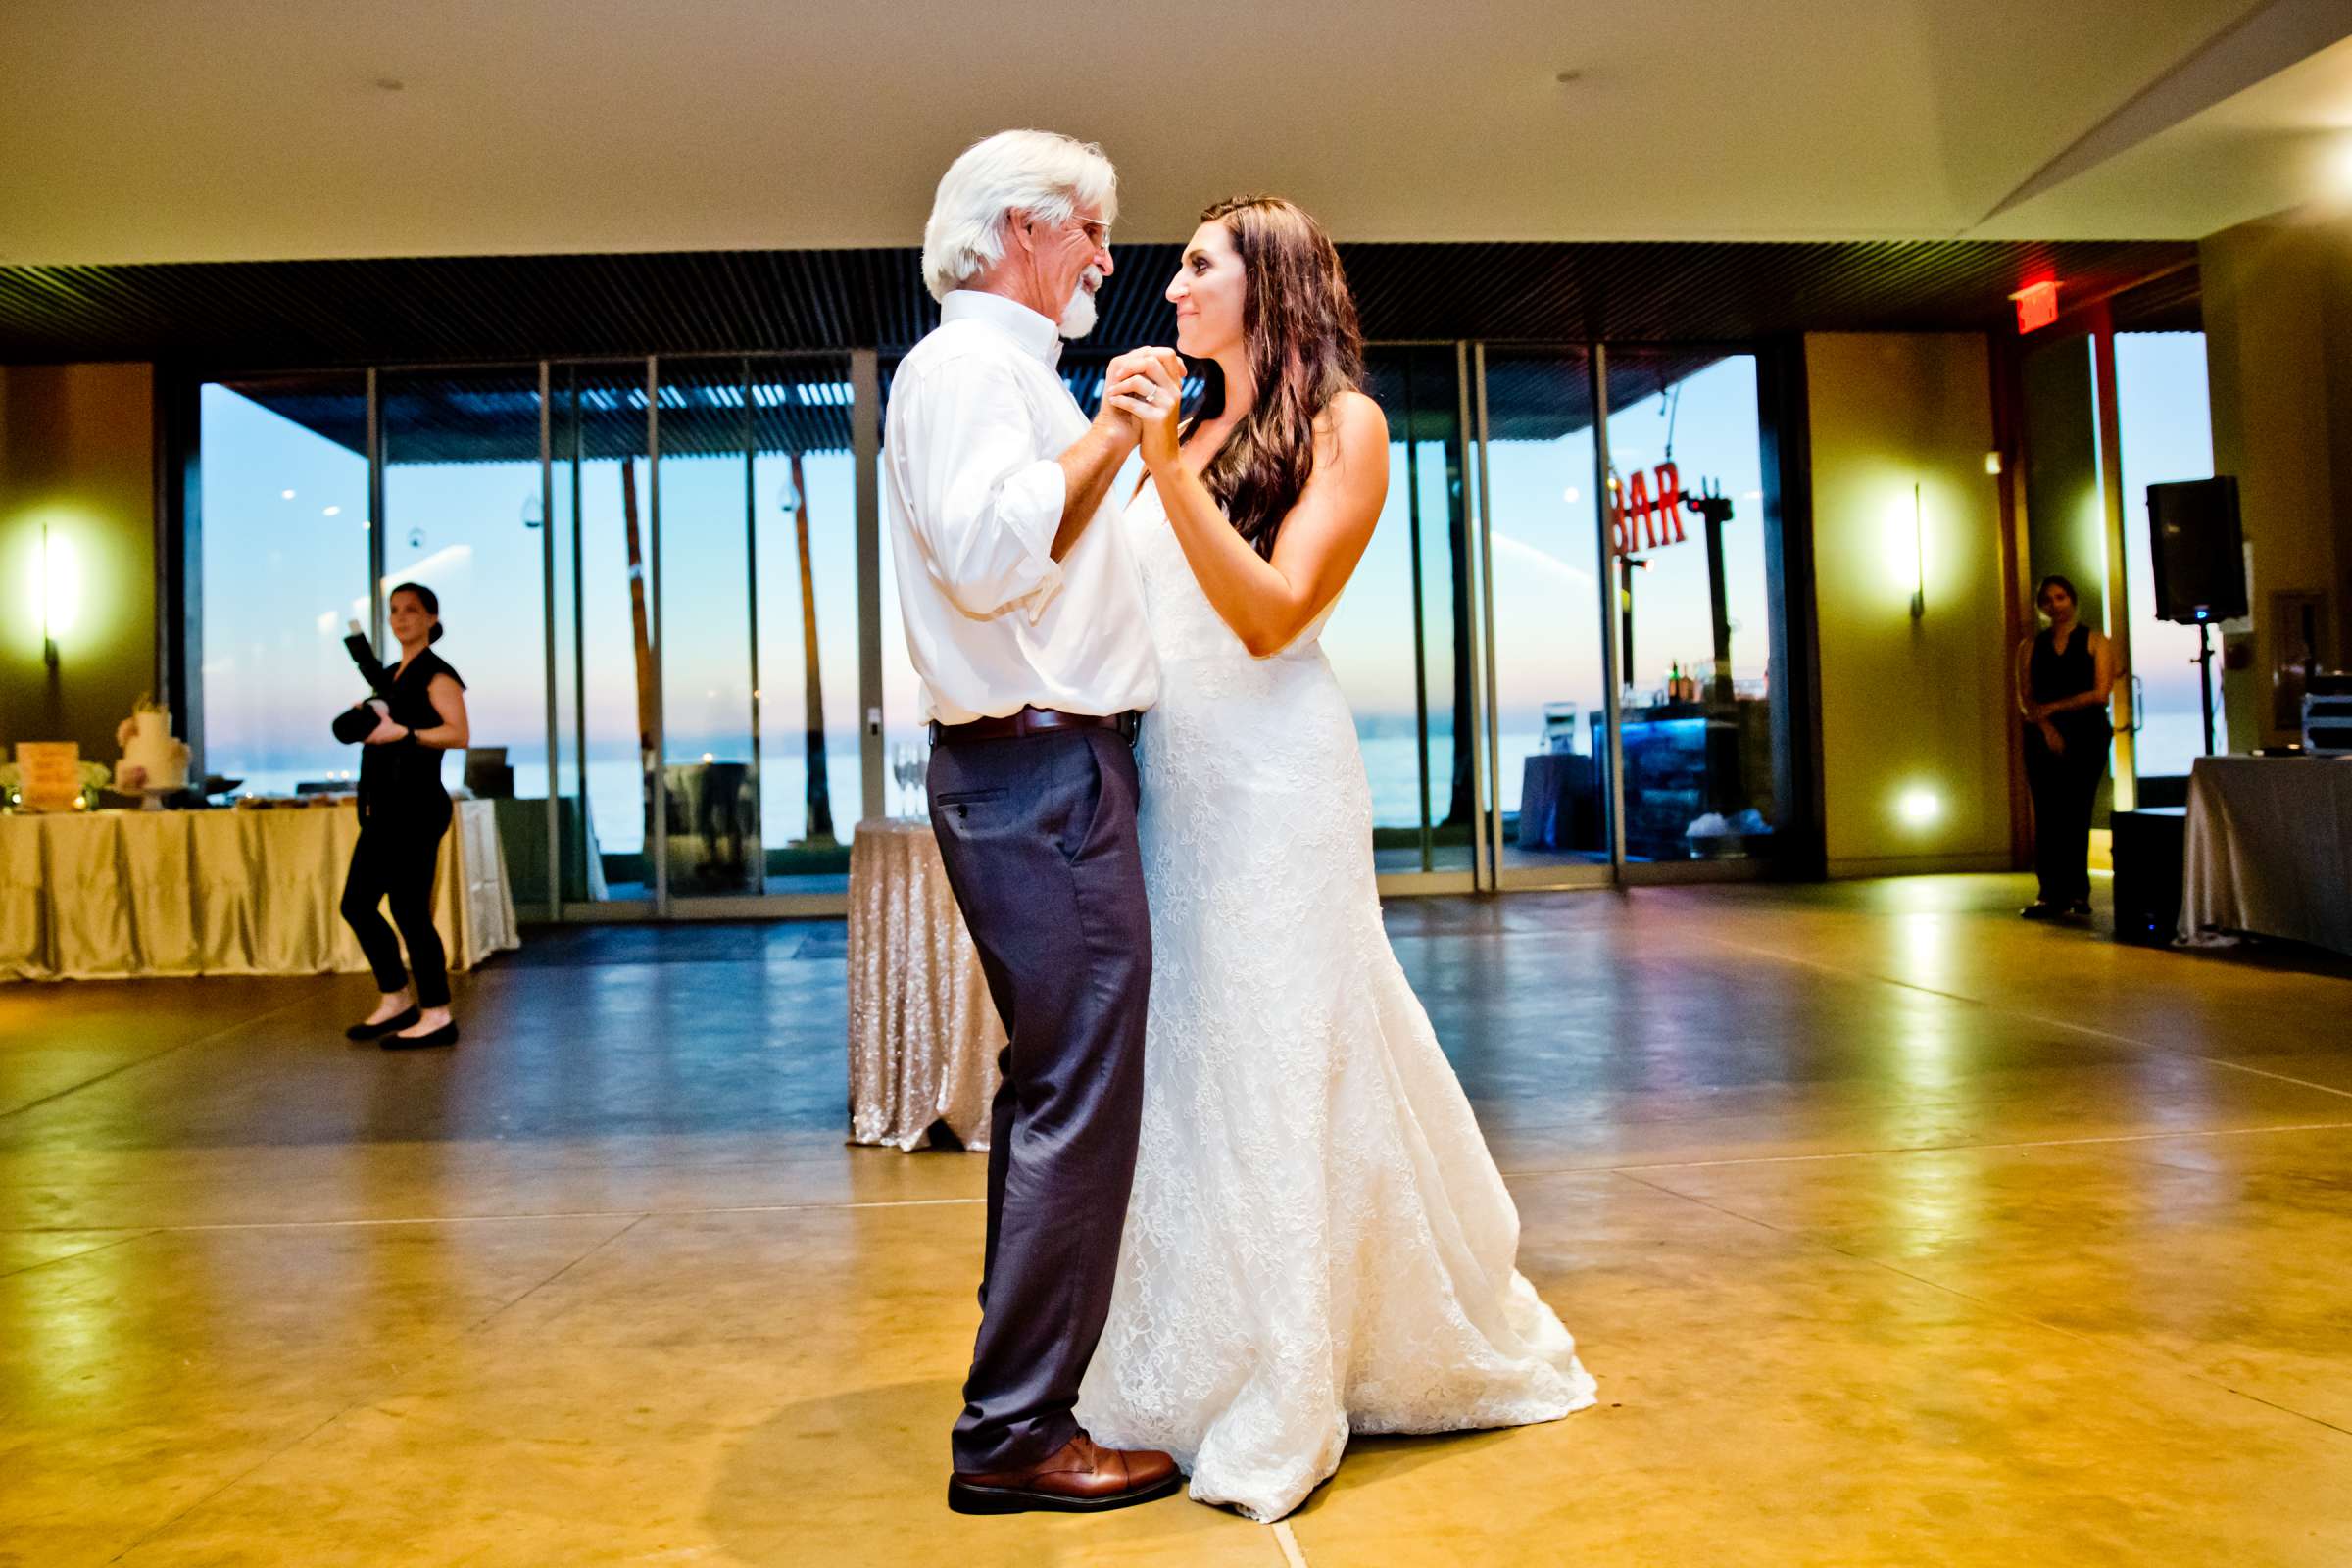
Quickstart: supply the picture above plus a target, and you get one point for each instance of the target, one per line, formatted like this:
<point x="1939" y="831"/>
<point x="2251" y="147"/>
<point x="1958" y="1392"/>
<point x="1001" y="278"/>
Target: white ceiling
<point x="149" y="130"/>
<point x="2284" y="142"/>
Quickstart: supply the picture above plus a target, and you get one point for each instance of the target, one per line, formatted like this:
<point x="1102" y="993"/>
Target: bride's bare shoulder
<point x="1350" y="421"/>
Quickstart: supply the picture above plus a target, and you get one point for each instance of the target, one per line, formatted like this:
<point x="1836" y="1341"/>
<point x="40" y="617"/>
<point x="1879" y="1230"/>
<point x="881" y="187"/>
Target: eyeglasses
<point x="1097" y="231"/>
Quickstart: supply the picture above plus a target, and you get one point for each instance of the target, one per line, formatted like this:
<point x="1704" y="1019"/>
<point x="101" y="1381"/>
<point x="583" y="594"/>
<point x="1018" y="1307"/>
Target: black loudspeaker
<point x="2197" y="551"/>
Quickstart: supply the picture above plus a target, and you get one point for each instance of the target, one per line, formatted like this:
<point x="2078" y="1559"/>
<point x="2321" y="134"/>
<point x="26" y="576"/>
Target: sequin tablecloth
<point x="107" y="895"/>
<point x="923" y="1034"/>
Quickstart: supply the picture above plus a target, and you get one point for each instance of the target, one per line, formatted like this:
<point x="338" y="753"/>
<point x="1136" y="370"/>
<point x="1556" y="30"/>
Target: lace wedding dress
<point x="1318" y="1241"/>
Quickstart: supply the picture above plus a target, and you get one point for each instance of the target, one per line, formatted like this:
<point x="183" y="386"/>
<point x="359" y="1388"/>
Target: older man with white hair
<point x="1025" y="622"/>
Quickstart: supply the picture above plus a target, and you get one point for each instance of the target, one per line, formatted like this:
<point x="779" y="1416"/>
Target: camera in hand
<point x="355" y="724"/>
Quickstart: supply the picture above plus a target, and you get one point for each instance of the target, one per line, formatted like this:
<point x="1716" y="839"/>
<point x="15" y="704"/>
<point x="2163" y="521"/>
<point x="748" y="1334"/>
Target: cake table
<point x="105" y="895"/>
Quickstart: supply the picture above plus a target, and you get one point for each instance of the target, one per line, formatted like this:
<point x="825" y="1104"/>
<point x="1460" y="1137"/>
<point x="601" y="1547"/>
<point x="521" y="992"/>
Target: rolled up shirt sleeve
<point x="985" y="506"/>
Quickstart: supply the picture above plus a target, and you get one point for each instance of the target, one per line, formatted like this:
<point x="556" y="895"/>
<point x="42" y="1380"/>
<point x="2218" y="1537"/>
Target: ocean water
<point x="615" y="802"/>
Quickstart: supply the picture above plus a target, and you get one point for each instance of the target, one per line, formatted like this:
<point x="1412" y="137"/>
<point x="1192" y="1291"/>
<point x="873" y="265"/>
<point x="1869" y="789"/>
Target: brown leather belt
<point x="1033" y="721"/>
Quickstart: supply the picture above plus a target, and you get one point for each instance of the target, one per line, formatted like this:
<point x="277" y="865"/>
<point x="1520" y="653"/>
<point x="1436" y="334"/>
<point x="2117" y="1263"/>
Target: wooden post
<point x="647" y="760"/>
<point x="820" y="794"/>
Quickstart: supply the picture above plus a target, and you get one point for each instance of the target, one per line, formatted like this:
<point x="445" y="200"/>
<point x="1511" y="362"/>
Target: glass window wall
<point x="670" y="603"/>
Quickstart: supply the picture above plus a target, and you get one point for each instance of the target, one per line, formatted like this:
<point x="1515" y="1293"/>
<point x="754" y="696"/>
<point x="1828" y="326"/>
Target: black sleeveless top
<point x="2053" y="675"/>
<point x="405" y="775"/>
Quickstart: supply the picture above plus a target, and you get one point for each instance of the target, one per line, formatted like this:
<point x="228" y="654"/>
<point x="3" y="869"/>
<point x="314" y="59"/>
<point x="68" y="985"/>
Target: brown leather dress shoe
<point x="1081" y="1477"/>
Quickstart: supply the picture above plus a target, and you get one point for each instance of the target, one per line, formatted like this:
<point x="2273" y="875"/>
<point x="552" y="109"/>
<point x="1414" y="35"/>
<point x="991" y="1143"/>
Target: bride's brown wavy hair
<point x="1304" y="348"/>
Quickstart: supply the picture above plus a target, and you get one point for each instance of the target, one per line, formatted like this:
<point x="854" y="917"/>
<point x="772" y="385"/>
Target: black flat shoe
<point x="2080" y="909"/>
<point x="392" y="1025"/>
<point x="446" y="1035"/>
<point x="2038" y="910"/>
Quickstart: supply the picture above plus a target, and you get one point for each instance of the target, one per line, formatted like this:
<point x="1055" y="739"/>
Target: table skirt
<point x="2269" y="851"/>
<point x="923" y="1033"/>
<point x="109" y="894"/>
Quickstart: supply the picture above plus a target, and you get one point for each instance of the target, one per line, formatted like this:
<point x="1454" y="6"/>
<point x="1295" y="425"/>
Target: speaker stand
<point x="2205" y="678"/>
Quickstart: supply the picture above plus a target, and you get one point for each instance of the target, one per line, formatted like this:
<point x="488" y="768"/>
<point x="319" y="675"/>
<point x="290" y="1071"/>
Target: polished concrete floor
<point x="1896" y="1230"/>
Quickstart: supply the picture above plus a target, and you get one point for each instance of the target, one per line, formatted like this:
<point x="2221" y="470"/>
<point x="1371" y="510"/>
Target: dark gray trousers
<point x="1038" y="834"/>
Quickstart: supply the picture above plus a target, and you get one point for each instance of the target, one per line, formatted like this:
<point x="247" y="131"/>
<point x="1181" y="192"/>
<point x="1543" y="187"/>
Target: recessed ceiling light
<point x="286" y="495"/>
<point x="335" y="512"/>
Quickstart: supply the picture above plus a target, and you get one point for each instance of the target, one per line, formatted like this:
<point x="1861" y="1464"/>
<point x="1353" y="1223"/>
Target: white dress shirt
<point x="978" y="420"/>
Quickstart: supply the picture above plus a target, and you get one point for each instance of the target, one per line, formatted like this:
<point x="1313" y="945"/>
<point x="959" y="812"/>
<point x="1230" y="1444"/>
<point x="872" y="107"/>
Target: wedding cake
<point x="151" y="759"/>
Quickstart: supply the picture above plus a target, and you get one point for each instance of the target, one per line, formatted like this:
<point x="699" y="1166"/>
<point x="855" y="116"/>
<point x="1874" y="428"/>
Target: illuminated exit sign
<point x="2037" y="306"/>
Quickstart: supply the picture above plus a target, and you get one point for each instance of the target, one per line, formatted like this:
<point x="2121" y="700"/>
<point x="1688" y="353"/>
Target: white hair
<point x="1014" y="170"/>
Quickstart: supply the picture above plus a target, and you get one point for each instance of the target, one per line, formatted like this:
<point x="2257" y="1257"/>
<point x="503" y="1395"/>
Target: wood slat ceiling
<point x="252" y="316"/>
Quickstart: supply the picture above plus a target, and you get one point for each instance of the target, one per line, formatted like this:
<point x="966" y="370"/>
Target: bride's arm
<point x="1269" y="603"/>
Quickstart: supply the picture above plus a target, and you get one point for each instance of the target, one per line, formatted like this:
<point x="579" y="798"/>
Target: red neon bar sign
<point x="1644" y="521"/>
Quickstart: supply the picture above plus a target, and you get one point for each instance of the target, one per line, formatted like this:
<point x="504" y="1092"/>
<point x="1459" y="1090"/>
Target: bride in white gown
<point x="1318" y="1243"/>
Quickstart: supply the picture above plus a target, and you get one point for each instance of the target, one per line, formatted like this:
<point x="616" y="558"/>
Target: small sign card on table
<point x="49" y="775"/>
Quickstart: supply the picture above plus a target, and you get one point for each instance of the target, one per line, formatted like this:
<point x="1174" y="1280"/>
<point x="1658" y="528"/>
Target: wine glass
<point x="905" y="767"/>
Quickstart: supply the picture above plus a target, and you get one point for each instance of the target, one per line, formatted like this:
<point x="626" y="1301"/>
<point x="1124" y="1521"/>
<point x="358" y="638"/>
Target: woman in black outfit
<point x="2062" y="680"/>
<point x="402" y="813"/>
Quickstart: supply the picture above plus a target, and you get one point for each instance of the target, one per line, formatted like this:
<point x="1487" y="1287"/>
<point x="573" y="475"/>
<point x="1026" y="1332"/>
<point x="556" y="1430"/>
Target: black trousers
<point x="2065" y="786"/>
<point x="397" y="855"/>
<point x="1038" y="836"/>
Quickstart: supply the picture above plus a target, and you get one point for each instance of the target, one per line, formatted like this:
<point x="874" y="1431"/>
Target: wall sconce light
<point x="2340" y="167"/>
<point x="1919" y="808"/>
<point x="1992" y="463"/>
<point x="48" y="633"/>
<point x="60" y="589"/>
<point x="1919" y="555"/>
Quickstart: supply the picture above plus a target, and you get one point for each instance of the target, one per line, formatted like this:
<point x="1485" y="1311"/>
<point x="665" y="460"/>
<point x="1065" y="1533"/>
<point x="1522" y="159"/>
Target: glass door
<point x="2167" y="435"/>
<point x="607" y="686"/>
<point x="1402" y="640"/>
<point x="707" y="553"/>
<point x="755" y="519"/>
<point x="1693" y="610"/>
<point x="464" y="508"/>
<point x="1549" y="823"/>
<point x="804" y="606"/>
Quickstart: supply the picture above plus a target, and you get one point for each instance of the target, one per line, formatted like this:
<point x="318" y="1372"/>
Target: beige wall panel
<point x="77" y="453"/>
<point x="1913" y="711"/>
<point x="2278" y="304"/>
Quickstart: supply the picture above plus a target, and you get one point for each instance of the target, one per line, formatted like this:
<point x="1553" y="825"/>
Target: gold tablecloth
<point x="923" y="1033"/>
<point x="105" y="895"/>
